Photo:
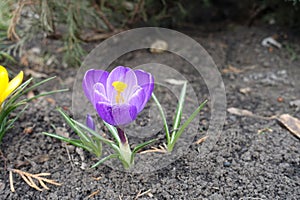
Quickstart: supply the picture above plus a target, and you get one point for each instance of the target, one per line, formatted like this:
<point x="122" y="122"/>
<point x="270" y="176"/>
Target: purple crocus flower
<point x="119" y="96"/>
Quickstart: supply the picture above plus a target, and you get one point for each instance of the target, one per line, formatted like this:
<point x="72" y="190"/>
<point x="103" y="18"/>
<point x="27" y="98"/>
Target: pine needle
<point x="29" y="179"/>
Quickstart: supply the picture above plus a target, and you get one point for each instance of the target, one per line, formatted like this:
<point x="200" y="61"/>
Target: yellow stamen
<point x="119" y="87"/>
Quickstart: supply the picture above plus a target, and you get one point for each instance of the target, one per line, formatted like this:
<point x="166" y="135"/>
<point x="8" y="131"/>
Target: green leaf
<point x="15" y="118"/>
<point x="140" y="146"/>
<point x="7" y="56"/>
<point x="97" y="135"/>
<point x="186" y="123"/>
<point x="105" y="159"/>
<point x="114" y="132"/>
<point x="74" y="142"/>
<point x="179" y="109"/>
<point x="162" y="114"/>
<point x="46" y="94"/>
<point x="85" y="139"/>
<point x="38" y="84"/>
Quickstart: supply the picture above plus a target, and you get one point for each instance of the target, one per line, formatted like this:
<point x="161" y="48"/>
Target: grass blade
<point x="46" y="93"/>
<point x="97" y="135"/>
<point x="140" y="146"/>
<point x="105" y="159"/>
<point x="77" y="143"/>
<point x="179" y="109"/>
<point x="70" y="122"/>
<point x="38" y="84"/>
<point x="162" y="114"/>
<point x="114" y="132"/>
<point x="186" y="123"/>
<point x="15" y="118"/>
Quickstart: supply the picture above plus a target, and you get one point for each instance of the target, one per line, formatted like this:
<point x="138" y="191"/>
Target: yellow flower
<point x="6" y="86"/>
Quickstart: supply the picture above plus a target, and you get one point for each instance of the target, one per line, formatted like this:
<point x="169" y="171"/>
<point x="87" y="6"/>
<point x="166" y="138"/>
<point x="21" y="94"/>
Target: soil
<point x="246" y="162"/>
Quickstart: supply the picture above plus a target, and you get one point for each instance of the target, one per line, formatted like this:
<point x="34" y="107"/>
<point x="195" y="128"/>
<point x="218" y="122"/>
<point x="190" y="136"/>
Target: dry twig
<point x="93" y="194"/>
<point x="140" y="194"/>
<point x="28" y="178"/>
<point x="160" y="149"/>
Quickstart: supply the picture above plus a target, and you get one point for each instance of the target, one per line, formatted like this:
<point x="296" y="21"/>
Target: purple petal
<point x="131" y="81"/>
<point x="124" y="114"/>
<point x="117" y="115"/>
<point x="90" y="122"/>
<point x="123" y="74"/>
<point x="99" y="94"/>
<point x="90" y="78"/>
<point x="137" y="99"/>
<point x="146" y="81"/>
<point x="105" y="112"/>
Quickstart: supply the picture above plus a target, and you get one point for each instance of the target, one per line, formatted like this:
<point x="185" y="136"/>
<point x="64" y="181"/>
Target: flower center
<point x="119" y="87"/>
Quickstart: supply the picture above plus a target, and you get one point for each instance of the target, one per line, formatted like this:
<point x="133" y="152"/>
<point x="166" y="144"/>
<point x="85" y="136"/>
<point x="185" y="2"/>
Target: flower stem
<point x="125" y="151"/>
<point x="122" y="136"/>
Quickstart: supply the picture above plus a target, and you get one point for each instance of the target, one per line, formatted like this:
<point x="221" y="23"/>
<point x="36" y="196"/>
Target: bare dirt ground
<point x="253" y="158"/>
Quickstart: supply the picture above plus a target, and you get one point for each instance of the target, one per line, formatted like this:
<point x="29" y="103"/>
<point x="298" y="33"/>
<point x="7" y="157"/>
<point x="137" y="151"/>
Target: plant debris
<point x="201" y="140"/>
<point x="28" y="178"/>
<point x="291" y="123"/>
<point x="270" y="41"/>
<point x="140" y="194"/>
<point x="93" y="194"/>
<point x="160" y="149"/>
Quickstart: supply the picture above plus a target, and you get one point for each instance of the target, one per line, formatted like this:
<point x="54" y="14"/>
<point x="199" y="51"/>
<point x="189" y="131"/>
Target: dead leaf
<point x="232" y="69"/>
<point x="35" y="74"/>
<point x="201" y="140"/>
<point x="291" y="123"/>
<point x="51" y="100"/>
<point x="247" y="113"/>
<point x="175" y="81"/>
<point x="240" y="112"/>
<point x="28" y="130"/>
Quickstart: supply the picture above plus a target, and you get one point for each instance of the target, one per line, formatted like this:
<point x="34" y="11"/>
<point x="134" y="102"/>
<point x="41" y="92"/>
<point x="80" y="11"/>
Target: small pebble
<point x="226" y="164"/>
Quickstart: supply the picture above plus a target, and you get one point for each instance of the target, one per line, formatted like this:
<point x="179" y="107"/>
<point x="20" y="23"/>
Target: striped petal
<point x="117" y="115"/>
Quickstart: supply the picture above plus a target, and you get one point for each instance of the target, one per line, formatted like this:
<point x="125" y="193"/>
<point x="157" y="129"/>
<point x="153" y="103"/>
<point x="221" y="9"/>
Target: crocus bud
<point x="90" y="122"/>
